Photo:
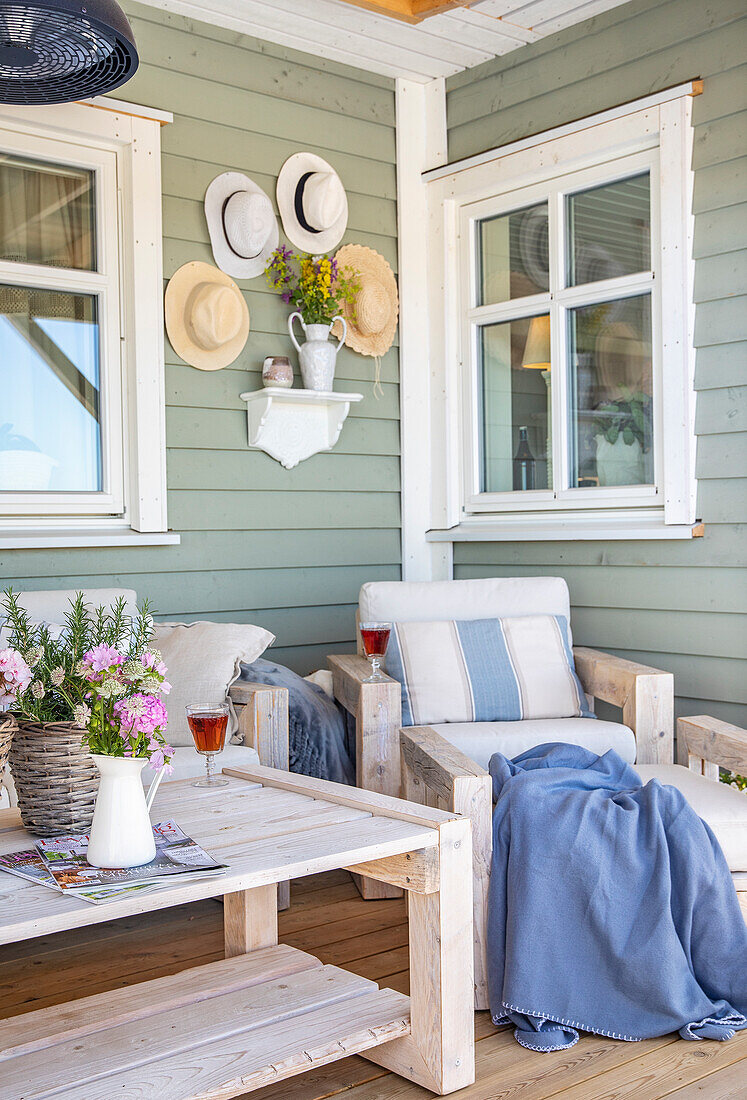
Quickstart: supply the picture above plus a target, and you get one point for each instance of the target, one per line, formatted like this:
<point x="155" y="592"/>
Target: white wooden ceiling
<point x="439" y="46"/>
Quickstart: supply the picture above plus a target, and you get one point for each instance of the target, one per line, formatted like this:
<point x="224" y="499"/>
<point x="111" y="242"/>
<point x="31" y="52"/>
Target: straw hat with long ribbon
<point x="372" y="317"/>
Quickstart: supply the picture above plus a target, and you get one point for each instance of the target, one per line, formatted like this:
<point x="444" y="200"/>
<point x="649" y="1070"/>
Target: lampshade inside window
<point x="537" y="349"/>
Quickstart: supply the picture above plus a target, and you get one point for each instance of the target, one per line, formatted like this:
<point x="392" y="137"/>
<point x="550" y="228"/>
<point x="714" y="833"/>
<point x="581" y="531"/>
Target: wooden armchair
<point x="435" y="773"/>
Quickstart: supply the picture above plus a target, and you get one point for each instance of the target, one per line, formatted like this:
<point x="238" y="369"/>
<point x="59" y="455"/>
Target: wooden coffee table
<point x="267" y="1011"/>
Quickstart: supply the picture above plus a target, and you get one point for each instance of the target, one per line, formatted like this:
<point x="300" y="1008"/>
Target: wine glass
<point x="375" y="638"/>
<point x="208" y="723"/>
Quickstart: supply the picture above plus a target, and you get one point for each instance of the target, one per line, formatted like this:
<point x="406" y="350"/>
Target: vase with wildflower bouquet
<point x="91" y="690"/>
<point x="317" y="288"/>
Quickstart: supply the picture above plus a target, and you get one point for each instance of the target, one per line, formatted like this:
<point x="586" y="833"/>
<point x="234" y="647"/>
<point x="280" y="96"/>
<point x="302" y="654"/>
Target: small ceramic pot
<point x="277" y="371"/>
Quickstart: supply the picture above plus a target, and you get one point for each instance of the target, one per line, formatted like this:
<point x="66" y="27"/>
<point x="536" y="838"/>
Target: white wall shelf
<point x="292" y="425"/>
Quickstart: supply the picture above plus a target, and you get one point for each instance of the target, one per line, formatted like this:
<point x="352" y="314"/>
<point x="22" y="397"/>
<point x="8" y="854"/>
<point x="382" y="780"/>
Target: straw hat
<point x="207" y="318"/>
<point x="372" y="319"/>
<point x="242" y="225"/>
<point x="312" y="203"/>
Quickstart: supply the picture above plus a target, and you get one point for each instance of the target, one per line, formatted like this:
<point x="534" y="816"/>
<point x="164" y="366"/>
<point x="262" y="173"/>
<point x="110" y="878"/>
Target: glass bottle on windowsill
<point x="523" y="463"/>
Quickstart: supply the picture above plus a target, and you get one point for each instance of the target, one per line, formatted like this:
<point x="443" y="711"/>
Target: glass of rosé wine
<point x="375" y="638"/>
<point x="208" y="723"/>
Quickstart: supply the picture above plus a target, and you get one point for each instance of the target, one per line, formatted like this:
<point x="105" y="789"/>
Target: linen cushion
<point x="203" y="660"/>
<point x="485" y="670"/>
<point x="479" y="740"/>
<point x="482" y="598"/>
<point x="722" y="807"/>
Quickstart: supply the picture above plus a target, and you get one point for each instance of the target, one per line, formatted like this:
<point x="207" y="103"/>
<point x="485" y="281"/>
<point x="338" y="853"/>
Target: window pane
<point x="610" y="390"/>
<point x="46" y="214"/>
<point x="50" y="432"/>
<point x="516" y="407"/>
<point x="513" y="255"/>
<point x="609" y="231"/>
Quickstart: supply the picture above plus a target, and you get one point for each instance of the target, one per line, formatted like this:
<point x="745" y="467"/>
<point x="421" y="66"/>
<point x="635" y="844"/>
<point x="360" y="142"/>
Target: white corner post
<point x="421" y="144"/>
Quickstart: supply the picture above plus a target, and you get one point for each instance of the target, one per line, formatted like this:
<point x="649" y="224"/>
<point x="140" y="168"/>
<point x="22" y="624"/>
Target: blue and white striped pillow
<point x="485" y="670"/>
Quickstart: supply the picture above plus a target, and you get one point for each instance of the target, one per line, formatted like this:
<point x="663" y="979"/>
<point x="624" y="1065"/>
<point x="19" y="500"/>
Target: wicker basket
<point x="56" y="779"/>
<point x="7" y="728"/>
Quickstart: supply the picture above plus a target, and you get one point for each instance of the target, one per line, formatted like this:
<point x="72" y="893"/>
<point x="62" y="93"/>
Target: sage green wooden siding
<point x="287" y="549"/>
<point x="676" y="605"/>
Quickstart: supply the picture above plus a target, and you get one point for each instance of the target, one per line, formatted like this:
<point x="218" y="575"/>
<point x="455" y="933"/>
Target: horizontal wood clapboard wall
<point x="677" y="605"/>
<point x="287" y="549"/>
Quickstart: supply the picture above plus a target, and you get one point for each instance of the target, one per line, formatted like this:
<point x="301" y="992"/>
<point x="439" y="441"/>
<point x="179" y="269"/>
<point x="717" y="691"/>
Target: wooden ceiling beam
<point x="409" y="11"/>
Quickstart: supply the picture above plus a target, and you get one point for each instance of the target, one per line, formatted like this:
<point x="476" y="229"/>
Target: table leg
<point x="250" y="920"/>
<point x="440" y="1052"/>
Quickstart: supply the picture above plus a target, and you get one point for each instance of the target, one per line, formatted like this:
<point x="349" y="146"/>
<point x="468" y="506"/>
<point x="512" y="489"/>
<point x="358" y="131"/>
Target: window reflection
<point x="513" y="255"/>
<point x="516" y="405"/>
<point x="610" y="391"/>
<point x="50" y="431"/>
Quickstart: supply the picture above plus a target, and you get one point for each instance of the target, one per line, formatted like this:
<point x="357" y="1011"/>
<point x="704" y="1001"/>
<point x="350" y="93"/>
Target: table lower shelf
<point x="218" y="1030"/>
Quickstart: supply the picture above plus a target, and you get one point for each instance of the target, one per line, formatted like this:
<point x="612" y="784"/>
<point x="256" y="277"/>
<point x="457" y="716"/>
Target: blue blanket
<point x="318" y="742"/>
<point x="611" y="907"/>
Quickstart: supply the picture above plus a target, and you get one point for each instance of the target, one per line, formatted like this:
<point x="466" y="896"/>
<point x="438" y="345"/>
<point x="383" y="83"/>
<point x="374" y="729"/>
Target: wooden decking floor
<point x="328" y="918"/>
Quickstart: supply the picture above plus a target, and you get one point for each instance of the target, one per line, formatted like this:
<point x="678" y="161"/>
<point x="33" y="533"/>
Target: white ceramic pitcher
<point x="318" y="355"/>
<point x="121" y="833"/>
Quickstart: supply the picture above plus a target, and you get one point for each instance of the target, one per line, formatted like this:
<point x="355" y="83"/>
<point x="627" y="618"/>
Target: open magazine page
<point x="176" y="854"/>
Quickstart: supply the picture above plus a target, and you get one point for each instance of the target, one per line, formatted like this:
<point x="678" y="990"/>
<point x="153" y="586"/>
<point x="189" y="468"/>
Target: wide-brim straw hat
<point x="242" y="225"/>
<point x="312" y="203"/>
<point x="207" y="318"/>
<point x="372" y="318"/>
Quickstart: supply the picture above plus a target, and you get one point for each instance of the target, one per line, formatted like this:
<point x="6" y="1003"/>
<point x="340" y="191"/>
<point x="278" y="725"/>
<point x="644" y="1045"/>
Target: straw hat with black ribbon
<point x="207" y="318"/>
<point x="312" y="203"/>
<point x="372" y="317"/>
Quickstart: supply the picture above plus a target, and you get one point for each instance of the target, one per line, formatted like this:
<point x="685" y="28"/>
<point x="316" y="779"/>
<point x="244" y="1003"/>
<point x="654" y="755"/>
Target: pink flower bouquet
<point x="15" y="675"/>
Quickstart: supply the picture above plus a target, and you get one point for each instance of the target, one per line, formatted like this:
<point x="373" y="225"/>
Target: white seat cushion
<point x="723" y="808"/>
<point x="479" y="740"/>
<point x="189" y="764"/>
<point x="482" y="598"/>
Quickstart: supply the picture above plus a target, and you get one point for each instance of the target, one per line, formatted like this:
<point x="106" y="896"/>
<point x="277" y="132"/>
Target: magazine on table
<point x="59" y="863"/>
<point x="176" y="854"/>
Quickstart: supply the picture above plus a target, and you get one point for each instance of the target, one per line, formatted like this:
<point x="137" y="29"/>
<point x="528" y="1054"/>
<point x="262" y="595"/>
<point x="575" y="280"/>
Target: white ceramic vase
<point x="619" y="463"/>
<point x="121" y="833"/>
<point x="318" y="355"/>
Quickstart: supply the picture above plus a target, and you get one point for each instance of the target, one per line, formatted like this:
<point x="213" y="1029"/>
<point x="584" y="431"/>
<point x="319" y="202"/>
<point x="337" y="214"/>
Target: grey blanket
<point x="318" y="739"/>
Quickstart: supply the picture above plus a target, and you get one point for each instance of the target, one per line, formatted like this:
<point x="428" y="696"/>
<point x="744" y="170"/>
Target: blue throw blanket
<point x="318" y="742"/>
<point x="611" y="907"/>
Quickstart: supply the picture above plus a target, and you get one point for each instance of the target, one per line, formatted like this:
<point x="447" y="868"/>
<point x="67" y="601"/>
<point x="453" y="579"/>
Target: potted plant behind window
<point x="317" y="289"/>
<point x="623" y="432"/>
<point x="23" y="466"/>
<point x="93" y="692"/>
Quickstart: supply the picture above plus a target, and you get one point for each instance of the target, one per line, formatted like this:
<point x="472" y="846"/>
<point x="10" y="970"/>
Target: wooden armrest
<point x="349" y="673"/>
<point x="645" y="694"/>
<point x="715" y="741"/>
<point x="262" y="711"/>
<point x="610" y="678"/>
<point x="435" y="762"/>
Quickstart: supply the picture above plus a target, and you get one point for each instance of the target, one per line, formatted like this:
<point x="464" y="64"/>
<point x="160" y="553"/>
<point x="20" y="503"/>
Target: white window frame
<point x="653" y="134"/>
<point x="121" y="144"/>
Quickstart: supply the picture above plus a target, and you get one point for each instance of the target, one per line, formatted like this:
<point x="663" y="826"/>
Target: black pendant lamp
<point x="58" y="51"/>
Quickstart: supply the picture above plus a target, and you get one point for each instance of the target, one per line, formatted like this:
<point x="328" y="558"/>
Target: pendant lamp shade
<point x="58" y="51"/>
<point x="537" y="349"/>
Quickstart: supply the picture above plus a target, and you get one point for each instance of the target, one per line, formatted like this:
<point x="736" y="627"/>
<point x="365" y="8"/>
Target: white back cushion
<point x="489" y="598"/>
<point x="51" y="606"/>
